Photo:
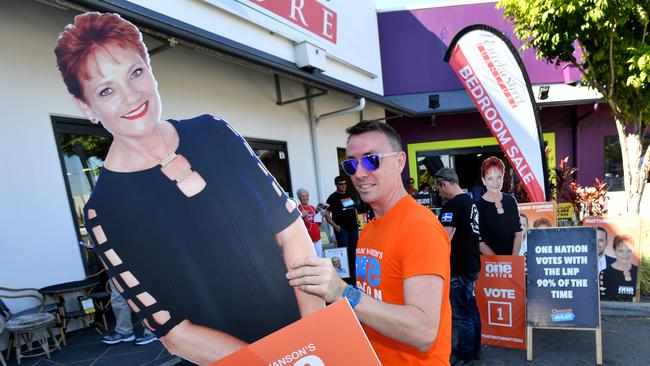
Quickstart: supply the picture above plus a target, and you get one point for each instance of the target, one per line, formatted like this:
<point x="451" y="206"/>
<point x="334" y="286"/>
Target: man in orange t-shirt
<point x="402" y="289"/>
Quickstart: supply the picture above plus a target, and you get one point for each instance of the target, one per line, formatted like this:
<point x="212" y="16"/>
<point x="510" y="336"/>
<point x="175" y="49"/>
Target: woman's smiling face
<point x="120" y="90"/>
<point x="493" y="180"/>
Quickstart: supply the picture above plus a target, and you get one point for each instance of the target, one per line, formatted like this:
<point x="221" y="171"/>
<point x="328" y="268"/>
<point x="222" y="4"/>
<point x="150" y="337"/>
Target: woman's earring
<point x="94" y="120"/>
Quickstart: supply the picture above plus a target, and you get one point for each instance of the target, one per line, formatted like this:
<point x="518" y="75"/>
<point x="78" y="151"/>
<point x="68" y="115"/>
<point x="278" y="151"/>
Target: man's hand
<point x="316" y="276"/>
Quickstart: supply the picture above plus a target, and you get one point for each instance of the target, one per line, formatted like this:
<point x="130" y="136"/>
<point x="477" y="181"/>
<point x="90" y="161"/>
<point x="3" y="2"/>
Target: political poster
<point x="535" y="215"/>
<point x="539" y="214"/>
<point x="562" y="278"/>
<point x="565" y="213"/>
<point x="331" y="336"/>
<point x="618" y="239"/>
<point x="423" y="198"/>
<point x="339" y="258"/>
<point x="501" y="300"/>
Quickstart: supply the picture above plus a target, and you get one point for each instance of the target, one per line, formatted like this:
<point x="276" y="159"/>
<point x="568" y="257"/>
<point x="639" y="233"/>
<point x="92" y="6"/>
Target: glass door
<point x="274" y="156"/>
<point x="82" y="150"/>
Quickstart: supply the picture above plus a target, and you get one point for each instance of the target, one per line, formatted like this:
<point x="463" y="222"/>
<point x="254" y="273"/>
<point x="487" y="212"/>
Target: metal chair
<point x="29" y="326"/>
<point x="101" y="296"/>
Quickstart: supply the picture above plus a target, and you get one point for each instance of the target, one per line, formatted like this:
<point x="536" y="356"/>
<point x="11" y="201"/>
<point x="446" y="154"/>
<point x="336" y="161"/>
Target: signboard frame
<point x="538" y="238"/>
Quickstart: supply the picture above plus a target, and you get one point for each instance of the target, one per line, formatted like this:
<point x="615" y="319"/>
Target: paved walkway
<point x="626" y="342"/>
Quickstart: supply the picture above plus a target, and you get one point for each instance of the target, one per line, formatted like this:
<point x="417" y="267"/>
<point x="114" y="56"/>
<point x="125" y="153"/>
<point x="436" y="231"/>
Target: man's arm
<point x="450" y="231"/>
<point x="199" y="344"/>
<point x="328" y="216"/>
<point x="296" y="243"/>
<point x="516" y="246"/>
<point x="415" y="323"/>
<point x="485" y="249"/>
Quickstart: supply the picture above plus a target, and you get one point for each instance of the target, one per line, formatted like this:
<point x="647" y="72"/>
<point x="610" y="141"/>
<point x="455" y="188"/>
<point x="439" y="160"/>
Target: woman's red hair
<point x="80" y="40"/>
<point x="492" y="162"/>
<point x="623" y="238"/>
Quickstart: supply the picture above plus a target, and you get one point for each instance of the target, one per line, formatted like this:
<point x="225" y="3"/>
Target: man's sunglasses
<point x="370" y="162"/>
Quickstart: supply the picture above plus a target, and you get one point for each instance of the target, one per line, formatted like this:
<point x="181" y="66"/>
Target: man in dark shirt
<point x="343" y="219"/>
<point x="459" y="217"/>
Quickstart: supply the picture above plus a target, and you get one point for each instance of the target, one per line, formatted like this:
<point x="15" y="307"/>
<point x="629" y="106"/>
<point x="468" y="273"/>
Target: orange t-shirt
<point x="407" y="241"/>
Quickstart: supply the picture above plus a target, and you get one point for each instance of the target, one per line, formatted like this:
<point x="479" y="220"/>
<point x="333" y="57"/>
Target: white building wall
<point x="355" y="58"/>
<point x="37" y="239"/>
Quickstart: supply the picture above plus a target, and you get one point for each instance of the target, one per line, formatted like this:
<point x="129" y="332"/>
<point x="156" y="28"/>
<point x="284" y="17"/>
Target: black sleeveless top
<point x="211" y="258"/>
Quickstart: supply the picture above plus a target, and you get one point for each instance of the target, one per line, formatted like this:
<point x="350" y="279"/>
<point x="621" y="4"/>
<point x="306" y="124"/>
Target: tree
<point x="614" y="59"/>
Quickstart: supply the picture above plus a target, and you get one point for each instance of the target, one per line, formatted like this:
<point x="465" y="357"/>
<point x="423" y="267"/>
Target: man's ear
<point x="401" y="160"/>
<point x="84" y="108"/>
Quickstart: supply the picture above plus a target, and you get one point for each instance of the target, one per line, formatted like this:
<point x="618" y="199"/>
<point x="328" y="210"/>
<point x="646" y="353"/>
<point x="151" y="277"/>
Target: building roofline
<point x="175" y="28"/>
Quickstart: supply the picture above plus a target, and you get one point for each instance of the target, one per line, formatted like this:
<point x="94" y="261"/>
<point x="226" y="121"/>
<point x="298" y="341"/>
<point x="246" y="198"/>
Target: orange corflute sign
<point x="330" y="337"/>
<point x="501" y="299"/>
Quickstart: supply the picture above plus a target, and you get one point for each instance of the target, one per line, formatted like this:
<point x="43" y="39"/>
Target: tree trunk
<point x="634" y="171"/>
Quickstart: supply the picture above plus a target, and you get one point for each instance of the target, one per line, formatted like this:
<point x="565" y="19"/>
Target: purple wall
<point x="591" y="132"/>
<point x="413" y="44"/>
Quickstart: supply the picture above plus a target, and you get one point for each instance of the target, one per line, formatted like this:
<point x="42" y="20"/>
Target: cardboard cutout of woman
<point x="193" y="229"/>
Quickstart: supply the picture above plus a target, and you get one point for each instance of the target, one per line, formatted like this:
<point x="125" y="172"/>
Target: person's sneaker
<point x="145" y="339"/>
<point x="116" y="337"/>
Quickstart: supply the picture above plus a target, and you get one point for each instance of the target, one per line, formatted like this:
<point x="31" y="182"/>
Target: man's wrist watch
<point x="353" y="295"/>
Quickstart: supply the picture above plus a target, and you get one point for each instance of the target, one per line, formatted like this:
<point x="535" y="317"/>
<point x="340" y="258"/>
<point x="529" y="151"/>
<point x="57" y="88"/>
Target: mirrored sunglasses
<point x="369" y="162"/>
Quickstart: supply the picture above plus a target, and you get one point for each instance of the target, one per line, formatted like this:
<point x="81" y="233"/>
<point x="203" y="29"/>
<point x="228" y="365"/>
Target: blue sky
<point x="384" y="5"/>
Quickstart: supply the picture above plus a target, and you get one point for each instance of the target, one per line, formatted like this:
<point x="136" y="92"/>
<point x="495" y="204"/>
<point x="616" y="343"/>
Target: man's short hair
<point x="339" y="179"/>
<point x="447" y="174"/>
<point x="383" y="128"/>
<point x="600" y="228"/>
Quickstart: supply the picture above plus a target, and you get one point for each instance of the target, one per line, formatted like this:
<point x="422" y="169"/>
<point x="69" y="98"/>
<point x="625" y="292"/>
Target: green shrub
<point x="645" y="275"/>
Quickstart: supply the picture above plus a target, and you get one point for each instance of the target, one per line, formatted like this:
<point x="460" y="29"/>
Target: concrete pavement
<point x="626" y="342"/>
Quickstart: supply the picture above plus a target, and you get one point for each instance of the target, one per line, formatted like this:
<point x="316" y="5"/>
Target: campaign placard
<point x="618" y="239"/>
<point x="331" y="336"/>
<point x="562" y="278"/>
<point x="500" y="297"/>
<point x="535" y="215"/>
<point x="423" y="198"/>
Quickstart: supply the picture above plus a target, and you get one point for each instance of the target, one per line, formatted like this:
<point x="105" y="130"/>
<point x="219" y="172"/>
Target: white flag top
<point x="496" y="81"/>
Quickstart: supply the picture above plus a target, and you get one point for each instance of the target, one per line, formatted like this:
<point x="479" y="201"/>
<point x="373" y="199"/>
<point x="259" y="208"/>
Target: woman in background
<point x="499" y="222"/>
<point x="311" y="218"/>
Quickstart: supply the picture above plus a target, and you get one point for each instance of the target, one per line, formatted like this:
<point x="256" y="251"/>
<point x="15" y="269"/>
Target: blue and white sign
<point x="562" y="278"/>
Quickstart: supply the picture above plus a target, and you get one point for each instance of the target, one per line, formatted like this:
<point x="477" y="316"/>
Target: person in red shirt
<point x="402" y="259"/>
<point x="311" y="218"/>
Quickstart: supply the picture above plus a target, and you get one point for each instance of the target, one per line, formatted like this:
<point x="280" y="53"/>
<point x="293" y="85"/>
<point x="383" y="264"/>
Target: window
<point x="82" y="150"/>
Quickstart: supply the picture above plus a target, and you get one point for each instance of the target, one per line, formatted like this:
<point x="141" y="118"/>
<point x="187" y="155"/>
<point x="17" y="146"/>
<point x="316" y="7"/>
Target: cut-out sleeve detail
<point x="290" y="205"/>
<point x="146" y="299"/>
<point x="133" y="306"/>
<point x="146" y="324"/>
<point x="129" y="279"/>
<point x="92" y="214"/>
<point x="119" y="287"/>
<point x="100" y="237"/>
<point x="161" y="317"/>
<point x="113" y="258"/>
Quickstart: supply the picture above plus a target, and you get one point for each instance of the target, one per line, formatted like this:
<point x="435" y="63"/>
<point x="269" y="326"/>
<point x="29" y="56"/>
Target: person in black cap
<point x="459" y="217"/>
